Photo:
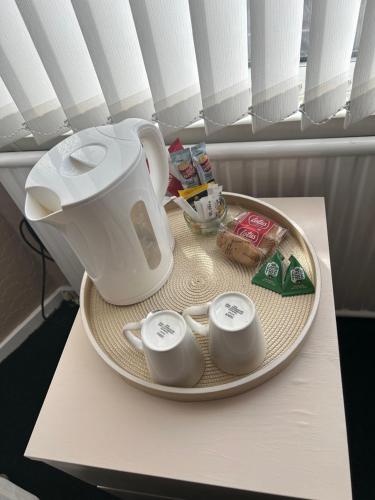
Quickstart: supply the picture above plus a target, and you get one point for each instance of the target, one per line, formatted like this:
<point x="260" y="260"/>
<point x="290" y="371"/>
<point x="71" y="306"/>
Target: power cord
<point x="42" y="251"/>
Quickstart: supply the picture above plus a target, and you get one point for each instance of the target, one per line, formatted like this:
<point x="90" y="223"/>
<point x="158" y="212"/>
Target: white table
<point x="286" y="437"/>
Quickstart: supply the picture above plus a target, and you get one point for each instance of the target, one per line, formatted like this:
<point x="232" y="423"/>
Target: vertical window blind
<point x="57" y="36"/>
<point x="332" y="32"/>
<point x="220" y="38"/>
<point x="72" y="64"/>
<point x="276" y="29"/>
<point x="166" y="40"/>
<point x="112" y="41"/>
<point x="26" y="79"/>
<point x="362" y="98"/>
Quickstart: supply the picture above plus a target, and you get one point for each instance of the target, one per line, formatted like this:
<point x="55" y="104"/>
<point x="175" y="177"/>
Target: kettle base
<point x="139" y="298"/>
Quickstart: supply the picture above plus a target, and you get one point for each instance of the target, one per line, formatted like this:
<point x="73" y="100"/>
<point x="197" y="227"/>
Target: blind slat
<point x="332" y="32"/>
<point x="166" y="40"/>
<point x="111" y="38"/>
<point x="362" y="99"/>
<point x="276" y="29"/>
<point x="57" y="36"/>
<point x="25" y="77"/>
<point x="11" y="119"/>
<point x="220" y="38"/>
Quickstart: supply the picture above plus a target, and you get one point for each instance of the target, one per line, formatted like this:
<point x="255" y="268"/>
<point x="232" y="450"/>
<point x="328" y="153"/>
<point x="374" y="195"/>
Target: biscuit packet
<point x="262" y="232"/>
<point x="270" y="275"/>
<point x="238" y="249"/>
<point x="250" y="237"/>
<point x="296" y="281"/>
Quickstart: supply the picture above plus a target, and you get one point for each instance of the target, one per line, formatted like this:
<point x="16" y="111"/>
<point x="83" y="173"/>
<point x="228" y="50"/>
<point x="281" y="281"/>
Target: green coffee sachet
<point x="270" y="275"/>
<point x="296" y="281"/>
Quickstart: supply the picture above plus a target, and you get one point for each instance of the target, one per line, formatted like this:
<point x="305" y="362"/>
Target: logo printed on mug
<point x="164" y="330"/>
<point x="232" y="310"/>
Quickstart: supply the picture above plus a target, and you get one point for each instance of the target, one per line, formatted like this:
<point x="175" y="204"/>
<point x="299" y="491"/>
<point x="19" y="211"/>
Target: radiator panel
<point x="348" y="185"/>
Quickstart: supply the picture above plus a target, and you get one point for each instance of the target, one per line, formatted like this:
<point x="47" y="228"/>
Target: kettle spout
<point x="43" y="205"/>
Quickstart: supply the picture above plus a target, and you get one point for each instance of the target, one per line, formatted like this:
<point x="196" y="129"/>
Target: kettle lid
<point x="86" y="163"/>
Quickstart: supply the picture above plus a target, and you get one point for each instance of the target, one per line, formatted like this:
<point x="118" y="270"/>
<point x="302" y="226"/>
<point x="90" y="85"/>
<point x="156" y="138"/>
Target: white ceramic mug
<point x="236" y="340"/>
<point x="173" y="357"/>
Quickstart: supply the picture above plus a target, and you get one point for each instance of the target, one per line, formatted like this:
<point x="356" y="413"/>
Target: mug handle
<point x="196" y="311"/>
<point x="127" y="331"/>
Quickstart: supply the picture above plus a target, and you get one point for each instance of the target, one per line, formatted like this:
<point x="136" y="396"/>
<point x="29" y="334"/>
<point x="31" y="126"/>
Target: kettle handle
<point x="153" y="141"/>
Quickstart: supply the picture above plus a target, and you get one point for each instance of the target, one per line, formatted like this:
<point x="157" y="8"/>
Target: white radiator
<point x="346" y="179"/>
<point x="341" y="170"/>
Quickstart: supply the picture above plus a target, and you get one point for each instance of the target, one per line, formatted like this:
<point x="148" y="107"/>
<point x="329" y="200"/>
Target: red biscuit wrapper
<point x="249" y="238"/>
<point x="256" y="228"/>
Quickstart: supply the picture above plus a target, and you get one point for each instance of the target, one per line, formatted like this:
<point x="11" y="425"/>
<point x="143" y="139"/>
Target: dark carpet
<point x="24" y="380"/>
<point x="27" y="373"/>
<point x="357" y="341"/>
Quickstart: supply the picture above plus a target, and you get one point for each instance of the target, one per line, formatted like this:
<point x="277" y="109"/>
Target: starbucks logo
<point x="272" y="269"/>
<point x="297" y="274"/>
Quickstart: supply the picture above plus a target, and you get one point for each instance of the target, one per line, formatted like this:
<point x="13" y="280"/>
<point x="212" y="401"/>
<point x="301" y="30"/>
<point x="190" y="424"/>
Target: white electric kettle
<point x="95" y="188"/>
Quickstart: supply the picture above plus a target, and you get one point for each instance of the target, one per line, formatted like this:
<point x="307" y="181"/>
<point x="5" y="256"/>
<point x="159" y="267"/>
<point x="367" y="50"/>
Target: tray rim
<point x="236" y="386"/>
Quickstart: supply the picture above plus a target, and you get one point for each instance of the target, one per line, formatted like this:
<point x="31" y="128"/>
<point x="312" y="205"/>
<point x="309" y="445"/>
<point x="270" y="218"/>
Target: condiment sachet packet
<point x="175" y="146"/>
<point x="270" y="274"/>
<point x="296" y="281"/>
<point x="202" y="163"/>
<point x="194" y="193"/>
<point x="209" y="206"/>
<point x="174" y="184"/>
<point x="184" y="169"/>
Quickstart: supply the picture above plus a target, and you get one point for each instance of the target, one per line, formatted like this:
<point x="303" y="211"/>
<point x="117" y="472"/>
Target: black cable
<point x="43" y="252"/>
<point x="44" y="277"/>
<point x="35" y="237"/>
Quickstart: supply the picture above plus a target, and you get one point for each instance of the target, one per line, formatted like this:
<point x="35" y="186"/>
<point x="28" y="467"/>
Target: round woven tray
<point x="200" y="273"/>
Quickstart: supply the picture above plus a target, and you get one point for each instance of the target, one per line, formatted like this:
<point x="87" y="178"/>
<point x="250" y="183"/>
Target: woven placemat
<point x="200" y="273"/>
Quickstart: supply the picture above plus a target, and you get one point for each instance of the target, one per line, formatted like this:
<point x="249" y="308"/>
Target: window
<point x="306" y="28"/>
<point x="82" y="64"/>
